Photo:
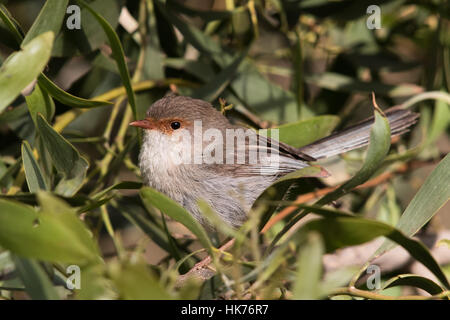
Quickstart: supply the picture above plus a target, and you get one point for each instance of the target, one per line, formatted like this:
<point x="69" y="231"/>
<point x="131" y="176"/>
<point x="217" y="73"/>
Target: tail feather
<point x="358" y="135"/>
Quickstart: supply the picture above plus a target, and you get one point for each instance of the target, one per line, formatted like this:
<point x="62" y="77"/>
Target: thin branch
<point x="352" y="291"/>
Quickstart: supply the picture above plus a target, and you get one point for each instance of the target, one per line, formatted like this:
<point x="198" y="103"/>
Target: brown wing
<point x="289" y="158"/>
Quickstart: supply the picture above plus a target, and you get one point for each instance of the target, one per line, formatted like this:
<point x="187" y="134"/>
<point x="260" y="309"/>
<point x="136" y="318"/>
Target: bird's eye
<point x="175" y="125"/>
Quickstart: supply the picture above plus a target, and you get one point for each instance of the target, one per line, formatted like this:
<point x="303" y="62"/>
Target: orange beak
<point x="144" y="124"/>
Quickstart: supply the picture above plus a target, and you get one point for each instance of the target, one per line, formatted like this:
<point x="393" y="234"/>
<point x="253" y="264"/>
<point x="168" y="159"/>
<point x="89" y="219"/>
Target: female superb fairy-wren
<point x="191" y="151"/>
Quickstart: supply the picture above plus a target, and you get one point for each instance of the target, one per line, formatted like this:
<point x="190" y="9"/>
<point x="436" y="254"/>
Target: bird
<point x="190" y="151"/>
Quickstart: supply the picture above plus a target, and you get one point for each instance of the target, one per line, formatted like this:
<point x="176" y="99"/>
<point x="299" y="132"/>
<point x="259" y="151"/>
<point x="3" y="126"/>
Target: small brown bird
<point x="191" y="151"/>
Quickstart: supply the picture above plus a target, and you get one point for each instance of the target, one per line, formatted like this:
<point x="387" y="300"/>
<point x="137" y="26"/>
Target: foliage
<point x="68" y="159"/>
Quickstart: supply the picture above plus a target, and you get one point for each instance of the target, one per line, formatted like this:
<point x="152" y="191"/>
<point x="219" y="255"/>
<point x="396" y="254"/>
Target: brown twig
<point x="201" y="269"/>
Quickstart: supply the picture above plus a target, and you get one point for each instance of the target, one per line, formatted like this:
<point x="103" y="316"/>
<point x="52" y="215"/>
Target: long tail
<point x="358" y="135"/>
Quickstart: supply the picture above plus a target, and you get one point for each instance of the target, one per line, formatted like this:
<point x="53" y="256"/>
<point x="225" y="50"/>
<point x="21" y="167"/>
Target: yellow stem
<point x="352" y="291"/>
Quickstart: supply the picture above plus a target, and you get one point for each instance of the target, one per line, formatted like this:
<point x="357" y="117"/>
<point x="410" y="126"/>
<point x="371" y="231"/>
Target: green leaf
<point x="40" y="102"/>
<point x="380" y="142"/>
<point x="10" y="23"/>
<point x="136" y="282"/>
<point x="339" y="230"/>
<point x="414" y="281"/>
<point x="54" y="233"/>
<point x="36" y="281"/>
<point x="33" y="174"/>
<point x="65" y="158"/>
<point x="268" y="265"/>
<point x="52" y="89"/>
<point x="66" y="98"/>
<point x="433" y="194"/>
<point x="118" y="186"/>
<point x="89" y="38"/>
<point x="14" y="114"/>
<point x="154" y="67"/>
<point x="309" y="268"/>
<point x="151" y="229"/>
<point x="301" y="133"/>
<point x="58" y="209"/>
<point x="440" y="122"/>
<point x="176" y="212"/>
<point x="214" y="88"/>
<point x="337" y="278"/>
<point x="265" y="98"/>
<point x="118" y="53"/>
<point x="7" y="177"/>
<point x="193" y="35"/>
<point x="50" y="18"/>
<point x="22" y="67"/>
<point x="199" y="69"/>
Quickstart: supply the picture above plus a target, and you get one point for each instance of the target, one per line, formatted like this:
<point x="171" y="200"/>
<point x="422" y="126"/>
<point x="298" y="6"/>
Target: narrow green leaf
<point x="56" y="92"/>
<point x="87" y="39"/>
<point x="337" y="278"/>
<point x="33" y="174"/>
<point x="22" y="67"/>
<point x="118" y="54"/>
<point x="66" y="98"/>
<point x="214" y="88"/>
<point x="340" y="230"/>
<point x="440" y="122"/>
<point x="301" y="133"/>
<point x="14" y="115"/>
<point x="57" y="209"/>
<point x="152" y="230"/>
<point x="199" y="69"/>
<point x="267" y="99"/>
<point x="118" y="186"/>
<point x="269" y="264"/>
<point x="50" y="18"/>
<point x="309" y="268"/>
<point x="380" y="142"/>
<point x="6" y="178"/>
<point x="52" y="89"/>
<point x="57" y="236"/>
<point x="193" y="35"/>
<point x="136" y="282"/>
<point x="65" y="158"/>
<point x="414" y="281"/>
<point x="154" y="66"/>
<point x="36" y="281"/>
<point x="40" y="102"/>
<point x="176" y="212"/>
<point x="433" y="194"/>
<point x="10" y="23"/>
